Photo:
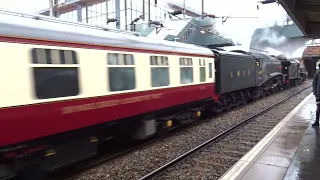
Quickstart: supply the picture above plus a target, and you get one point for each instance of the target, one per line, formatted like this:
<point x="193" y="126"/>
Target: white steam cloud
<point x="271" y="37"/>
<point x="275" y="43"/>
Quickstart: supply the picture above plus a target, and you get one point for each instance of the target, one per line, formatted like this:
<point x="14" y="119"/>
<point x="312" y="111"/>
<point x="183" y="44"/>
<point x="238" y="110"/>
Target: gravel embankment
<point x="212" y="161"/>
<point x="139" y="163"/>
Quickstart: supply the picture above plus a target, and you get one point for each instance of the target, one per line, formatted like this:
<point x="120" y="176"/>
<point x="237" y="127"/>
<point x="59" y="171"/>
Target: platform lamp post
<point x="202" y="9"/>
<point x="184" y="9"/>
<point x="51" y="8"/>
<point x="55" y="8"/>
<point x="149" y="12"/>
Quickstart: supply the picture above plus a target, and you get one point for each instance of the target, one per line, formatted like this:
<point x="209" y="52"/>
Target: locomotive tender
<point x="66" y="89"/>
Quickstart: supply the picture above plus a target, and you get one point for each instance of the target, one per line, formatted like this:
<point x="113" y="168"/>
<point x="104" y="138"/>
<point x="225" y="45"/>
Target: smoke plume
<point x="275" y="43"/>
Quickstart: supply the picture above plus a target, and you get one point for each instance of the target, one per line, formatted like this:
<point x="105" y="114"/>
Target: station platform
<point x="291" y="151"/>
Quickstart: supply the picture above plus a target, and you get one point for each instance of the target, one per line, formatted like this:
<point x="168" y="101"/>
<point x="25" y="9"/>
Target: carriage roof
<point x="47" y="28"/>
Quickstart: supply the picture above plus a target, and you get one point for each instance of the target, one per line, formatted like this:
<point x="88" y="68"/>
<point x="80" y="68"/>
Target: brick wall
<point x="311" y="51"/>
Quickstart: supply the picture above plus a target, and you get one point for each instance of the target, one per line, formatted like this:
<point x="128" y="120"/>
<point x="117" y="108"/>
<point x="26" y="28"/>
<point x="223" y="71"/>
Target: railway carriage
<point x="63" y="92"/>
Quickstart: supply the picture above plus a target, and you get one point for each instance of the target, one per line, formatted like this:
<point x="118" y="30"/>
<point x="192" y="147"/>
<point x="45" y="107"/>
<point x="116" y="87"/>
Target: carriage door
<point x="259" y="78"/>
<point x="211" y="69"/>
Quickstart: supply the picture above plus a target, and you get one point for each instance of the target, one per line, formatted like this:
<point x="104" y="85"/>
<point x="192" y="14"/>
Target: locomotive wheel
<point x="272" y="91"/>
<point x="238" y="101"/>
<point x="275" y="89"/>
<point x="227" y="107"/>
<point x="284" y="87"/>
<point x="226" y="103"/>
<point x="234" y="100"/>
<point x="262" y="94"/>
<point x="244" y="100"/>
<point x="217" y="110"/>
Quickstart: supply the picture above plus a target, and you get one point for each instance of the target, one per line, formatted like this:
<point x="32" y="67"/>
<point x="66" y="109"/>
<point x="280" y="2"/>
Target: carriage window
<point x="186" y="71"/>
<point x="55" y="73"/>
<point x="159" y="71"/>
<point x="121" y="72"/>
<point x="210" y="70"/>
<point x="202" y="65"/>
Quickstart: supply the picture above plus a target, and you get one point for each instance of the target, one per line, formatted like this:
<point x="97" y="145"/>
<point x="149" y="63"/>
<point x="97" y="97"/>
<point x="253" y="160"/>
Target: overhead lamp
<point x="267" y="1"/>
<point x="202" y="31"/>
<point x="111" y="20"/>
<point x="175" y="13"/>
<point x="208" y="15"/>
<point x="157" y="23"/>
<point x="211" y="16"/>
<point x="136" y="19"/>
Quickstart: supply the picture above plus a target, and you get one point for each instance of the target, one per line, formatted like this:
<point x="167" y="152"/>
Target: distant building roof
<point x="311" y="51"/>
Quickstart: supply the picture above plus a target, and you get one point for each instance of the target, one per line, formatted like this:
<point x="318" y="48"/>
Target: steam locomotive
<point x="68" y="88"/>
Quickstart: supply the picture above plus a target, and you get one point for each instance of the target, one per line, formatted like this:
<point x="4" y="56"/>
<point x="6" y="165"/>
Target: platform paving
<point x="291" y="151"/>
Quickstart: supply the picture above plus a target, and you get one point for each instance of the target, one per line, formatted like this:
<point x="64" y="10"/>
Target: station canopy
<point x="306" y="15"/>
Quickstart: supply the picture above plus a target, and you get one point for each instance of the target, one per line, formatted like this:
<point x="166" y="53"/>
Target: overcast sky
<point x="238" y="29"/>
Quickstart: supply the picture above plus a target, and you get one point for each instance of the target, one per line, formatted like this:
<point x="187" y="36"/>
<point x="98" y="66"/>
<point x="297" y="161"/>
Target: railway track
<point x="74" y="171"/>
<point x="212" y="158"/>
<point x="71" y="173"/>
